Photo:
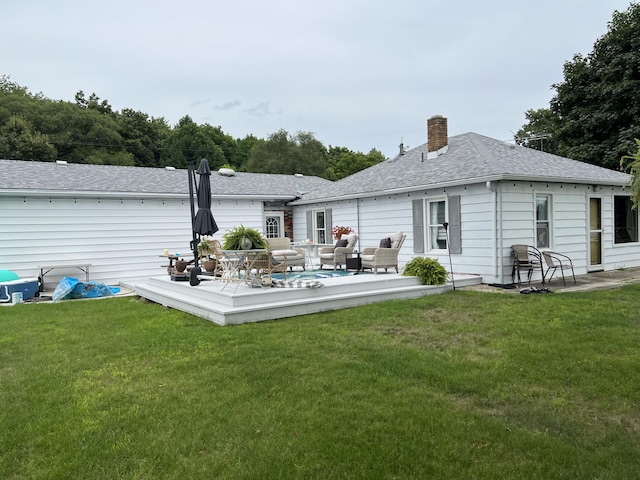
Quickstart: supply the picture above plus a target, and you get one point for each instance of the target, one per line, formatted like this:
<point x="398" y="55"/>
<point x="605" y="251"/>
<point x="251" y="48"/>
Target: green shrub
<point x="233" y="238"/>
<point x="427" y="269"/>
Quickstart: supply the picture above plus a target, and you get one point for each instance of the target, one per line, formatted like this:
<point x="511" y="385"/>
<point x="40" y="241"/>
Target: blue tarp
<point x="70" y="288"/>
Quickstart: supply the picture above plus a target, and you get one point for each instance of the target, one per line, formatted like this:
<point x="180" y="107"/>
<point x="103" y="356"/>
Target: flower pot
<point x="209" y="265"/>
<point x="246" y="243"/>
<point x="181" y="266"/>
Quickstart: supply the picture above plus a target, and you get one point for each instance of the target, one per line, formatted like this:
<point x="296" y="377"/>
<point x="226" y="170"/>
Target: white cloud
<point x="358" y="74"/>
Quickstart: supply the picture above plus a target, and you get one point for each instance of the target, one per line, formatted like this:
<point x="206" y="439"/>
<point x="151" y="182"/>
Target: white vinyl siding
<point x="121" y="239"/>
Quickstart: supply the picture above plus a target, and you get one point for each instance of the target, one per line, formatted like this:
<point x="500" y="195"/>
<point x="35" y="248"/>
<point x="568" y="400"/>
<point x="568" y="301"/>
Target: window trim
<point x="316" y="230"/>
<point x="428" y="224"/>
<point x="548" y="221"/>
<point x="616" y="227"/>
<point x="280" y="216"/>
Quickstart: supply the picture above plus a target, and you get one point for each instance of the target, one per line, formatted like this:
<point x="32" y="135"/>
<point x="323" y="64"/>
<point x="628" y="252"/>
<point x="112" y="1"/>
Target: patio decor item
<point x="383" y="256"/>
<point x="337" y="256"/>
<point x="528" y="258"/>
<point x="243" y="238"/>
<point x="282" y="250"/>
<point x="338" y="232"/>
<point x="428" y="270"/>
<point x="203" y="222"/>
<point x="557" y="261"/>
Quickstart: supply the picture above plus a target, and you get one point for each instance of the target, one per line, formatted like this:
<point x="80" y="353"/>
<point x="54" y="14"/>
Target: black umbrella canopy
<point x="204" y="223"/>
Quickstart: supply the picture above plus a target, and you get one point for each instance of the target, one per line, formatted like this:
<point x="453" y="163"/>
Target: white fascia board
<point x="85" y="194"/>
<point x="456" y="183"/>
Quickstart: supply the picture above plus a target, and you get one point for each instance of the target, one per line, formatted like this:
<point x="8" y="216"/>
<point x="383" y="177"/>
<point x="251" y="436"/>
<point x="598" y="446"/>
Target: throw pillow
<point x="351" y="239"/>
<point x="342" y="243"/>
<point x="395" y="239"/>
<point x="385" y="243"/>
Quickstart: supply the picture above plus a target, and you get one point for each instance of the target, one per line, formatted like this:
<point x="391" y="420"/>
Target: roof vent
<point x="299" y="175"/>
<point x="169" y="168"/>
<point x="226" y="172"/>
<point x="61" y="162"/>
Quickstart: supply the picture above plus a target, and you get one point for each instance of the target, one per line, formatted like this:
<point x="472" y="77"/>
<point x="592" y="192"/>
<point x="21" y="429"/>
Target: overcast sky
<point x="360" y="74"/>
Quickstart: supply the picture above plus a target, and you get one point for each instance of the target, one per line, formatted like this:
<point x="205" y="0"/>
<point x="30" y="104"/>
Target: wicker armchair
<point x="282" y="250"/>
<point x="375" y="258"/>
<point x="262" y="265"/>
<point x="337" y="256"/>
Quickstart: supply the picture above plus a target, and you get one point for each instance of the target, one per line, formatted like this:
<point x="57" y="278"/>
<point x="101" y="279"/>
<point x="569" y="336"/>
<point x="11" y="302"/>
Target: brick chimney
<point x="437" y="135"/>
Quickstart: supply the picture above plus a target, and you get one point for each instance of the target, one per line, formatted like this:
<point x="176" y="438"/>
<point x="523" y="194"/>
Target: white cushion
<point x="282" y="253"/>
<point x="326" y="255"/>
<point x="395" y="239"/>
<point x="368" y="258"/>
<point x="351" y="239"/>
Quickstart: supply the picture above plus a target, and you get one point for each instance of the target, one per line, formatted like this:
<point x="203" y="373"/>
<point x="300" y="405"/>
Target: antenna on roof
<point x="537" y="136"/>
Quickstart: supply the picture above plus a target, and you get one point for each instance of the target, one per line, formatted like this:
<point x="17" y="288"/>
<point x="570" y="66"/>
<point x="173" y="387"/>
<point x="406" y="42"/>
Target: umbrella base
<point x="179" y="277"/>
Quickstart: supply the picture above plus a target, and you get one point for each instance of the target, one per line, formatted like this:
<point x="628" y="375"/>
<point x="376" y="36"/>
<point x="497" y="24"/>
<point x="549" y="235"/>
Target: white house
<point x="120" y="219"/>
<point x="492" y="195"/>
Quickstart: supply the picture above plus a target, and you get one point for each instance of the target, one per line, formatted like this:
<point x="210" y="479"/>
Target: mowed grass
<point x="461" y="385"/>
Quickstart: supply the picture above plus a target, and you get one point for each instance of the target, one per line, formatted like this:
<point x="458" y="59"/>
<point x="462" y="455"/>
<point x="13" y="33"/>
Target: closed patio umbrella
<point x="202" y="222"/>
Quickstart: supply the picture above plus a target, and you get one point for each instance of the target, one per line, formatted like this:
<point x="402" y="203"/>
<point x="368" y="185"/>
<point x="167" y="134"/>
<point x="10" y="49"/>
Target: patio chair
<point x="282" y="250"/>
<point x="337" y="256"/>
<point x="528" y="258"/>
<point x="557" y="261"/>
<point x="259" y="265"/>
<point x="384" y="256"/>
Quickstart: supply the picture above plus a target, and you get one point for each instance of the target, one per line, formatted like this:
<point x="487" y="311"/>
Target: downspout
<point x="491" y="186"/>
<point x="358" y="221"/>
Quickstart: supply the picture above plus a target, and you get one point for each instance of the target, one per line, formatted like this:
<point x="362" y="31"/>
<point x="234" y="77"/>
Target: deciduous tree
<point x="595" y="113"/>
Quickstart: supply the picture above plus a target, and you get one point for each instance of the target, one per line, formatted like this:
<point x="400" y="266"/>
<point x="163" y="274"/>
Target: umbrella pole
<point x="196" y="240"/>
<point x="195" y="271"/>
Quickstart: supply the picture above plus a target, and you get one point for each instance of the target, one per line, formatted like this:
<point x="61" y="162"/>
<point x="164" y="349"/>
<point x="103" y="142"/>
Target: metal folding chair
<point x="557" y="261"/>
<point x="528" y="258"/>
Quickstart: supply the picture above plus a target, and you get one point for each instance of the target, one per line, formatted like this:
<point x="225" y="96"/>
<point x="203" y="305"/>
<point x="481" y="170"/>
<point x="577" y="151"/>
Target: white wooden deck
<point x="231" y="306"/>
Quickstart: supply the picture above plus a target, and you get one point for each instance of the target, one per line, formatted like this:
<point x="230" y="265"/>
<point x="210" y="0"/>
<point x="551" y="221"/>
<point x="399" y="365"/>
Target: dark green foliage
<point x="88" y="130"/>
<point x="595" y="113"/>
<point x="232" y="238"/>
<point x="427" y="269"/>
<point x="632" y="165"/>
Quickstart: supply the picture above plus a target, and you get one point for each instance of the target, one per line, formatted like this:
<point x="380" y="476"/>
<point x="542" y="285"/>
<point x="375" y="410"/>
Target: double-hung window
<point x="543" y="220"/>
<point x="319" y="226"/>
<point x="436" y="217"/>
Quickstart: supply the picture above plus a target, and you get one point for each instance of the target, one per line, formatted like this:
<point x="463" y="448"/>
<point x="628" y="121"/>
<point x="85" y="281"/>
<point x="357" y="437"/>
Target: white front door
<point x="595" y="234"/>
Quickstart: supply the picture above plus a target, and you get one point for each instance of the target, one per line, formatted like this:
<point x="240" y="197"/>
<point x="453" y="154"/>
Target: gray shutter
<point x="328" y="224"/>
<point x="310" y="225"/>
<point x="455" y="230"/>
<point x="418" y="226"/>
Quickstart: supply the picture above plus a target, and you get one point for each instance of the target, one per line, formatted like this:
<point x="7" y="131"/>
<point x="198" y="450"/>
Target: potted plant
<point x="337" y="232"/>
<point x="428" y="270"/>
<point x="243" y="238"/>
<point x="205" y="249"/>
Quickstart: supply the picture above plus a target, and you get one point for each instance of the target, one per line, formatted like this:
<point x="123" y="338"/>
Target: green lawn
<point x="464" y="385"/>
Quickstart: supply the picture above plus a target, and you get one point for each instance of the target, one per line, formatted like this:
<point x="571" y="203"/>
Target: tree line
<point x="88" y="130"/>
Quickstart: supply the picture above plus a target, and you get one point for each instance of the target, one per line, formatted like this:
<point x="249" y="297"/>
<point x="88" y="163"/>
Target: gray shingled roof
<point x="19" y="176"/>
<point x="470" y="158"/>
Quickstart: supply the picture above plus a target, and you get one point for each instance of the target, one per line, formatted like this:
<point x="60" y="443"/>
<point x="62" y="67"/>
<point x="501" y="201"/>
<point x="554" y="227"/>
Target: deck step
<point x="237" y="304"/>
